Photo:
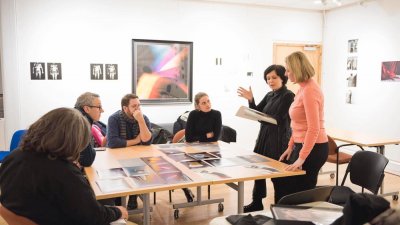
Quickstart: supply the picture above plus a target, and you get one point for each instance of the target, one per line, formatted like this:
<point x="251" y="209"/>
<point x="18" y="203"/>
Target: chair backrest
<point x="16" y="138"/>
<point x="332" y="146"/>
<point x="228" y="134"/>
<point x="367" y="169"/>
<point x="13" y="219"/>
<point x="178" y="136"/>
<point x="313" y="195"/>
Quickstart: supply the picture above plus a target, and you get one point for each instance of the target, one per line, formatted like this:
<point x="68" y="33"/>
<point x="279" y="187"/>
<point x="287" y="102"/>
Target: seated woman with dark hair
<point x="41" y="181"/>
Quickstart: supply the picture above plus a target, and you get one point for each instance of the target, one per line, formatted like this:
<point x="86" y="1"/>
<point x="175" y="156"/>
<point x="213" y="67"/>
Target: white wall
<point x="77" y="33"/>
<point x="376" y="106"/>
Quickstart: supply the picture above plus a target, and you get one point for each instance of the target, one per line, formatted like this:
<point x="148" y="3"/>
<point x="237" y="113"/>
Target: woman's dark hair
<point x="279" y="70"/>
<point x="61" y="134"/>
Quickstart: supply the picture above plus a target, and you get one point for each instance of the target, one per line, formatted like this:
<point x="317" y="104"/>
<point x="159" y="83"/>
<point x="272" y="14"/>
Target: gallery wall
<point x="78" y="33"/>
<point x="375" y="107"/>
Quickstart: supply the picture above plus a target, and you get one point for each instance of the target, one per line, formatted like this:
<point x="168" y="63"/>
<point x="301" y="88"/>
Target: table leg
<point x="240" y="196"/>
<point x="381" y="150"/>
<point x="146" y="208"/>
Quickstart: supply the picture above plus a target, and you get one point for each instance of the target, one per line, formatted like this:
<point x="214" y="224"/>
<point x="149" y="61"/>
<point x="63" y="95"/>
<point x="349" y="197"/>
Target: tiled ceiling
<point x="294" y="4"/>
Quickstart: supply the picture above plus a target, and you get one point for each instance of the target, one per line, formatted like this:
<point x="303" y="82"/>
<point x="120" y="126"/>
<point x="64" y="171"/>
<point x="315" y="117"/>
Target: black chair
<point x="318" y="194"/>
<point x="367" y="170"/>
<point x="337" y="157"/>
<point x="228" y="134"/>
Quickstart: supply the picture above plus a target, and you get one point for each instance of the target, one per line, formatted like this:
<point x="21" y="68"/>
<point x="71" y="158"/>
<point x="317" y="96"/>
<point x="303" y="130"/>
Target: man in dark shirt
<point x="89" y="105"/>
<point x="128" y="127"/>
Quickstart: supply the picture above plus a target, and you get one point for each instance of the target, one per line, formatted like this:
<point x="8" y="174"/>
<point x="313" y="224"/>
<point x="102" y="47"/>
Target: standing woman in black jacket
<point x="272" y="139"/>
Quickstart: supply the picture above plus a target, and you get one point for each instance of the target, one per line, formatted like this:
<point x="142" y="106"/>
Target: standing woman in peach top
<point x="308" y="146"/>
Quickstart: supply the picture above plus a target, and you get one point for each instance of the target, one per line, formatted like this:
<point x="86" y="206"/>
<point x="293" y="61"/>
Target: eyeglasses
<point x="94" y="106"/>
<point x="136" y="106"/>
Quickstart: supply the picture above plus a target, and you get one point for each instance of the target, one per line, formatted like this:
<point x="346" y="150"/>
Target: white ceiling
<point x="293" y="4"/>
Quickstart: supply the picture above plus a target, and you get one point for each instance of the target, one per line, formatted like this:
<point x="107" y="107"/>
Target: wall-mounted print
<point x="390" y="71"/>
<point x="96" y="71"/>
<point x="37" y="71"/>
<point x="352" y="63"/>
<point x="352" y="46"/>
<point x="111" y="71"/>
<point x="54" y="71"/>
<point x="348" y="97"/>
<point x="162" y="71"/>
<point x="352" y="80"/>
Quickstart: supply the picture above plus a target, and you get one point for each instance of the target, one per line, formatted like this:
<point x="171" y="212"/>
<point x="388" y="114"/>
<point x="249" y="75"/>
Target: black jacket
<point x="50" y="191"/>
<point x="272" y="139"/>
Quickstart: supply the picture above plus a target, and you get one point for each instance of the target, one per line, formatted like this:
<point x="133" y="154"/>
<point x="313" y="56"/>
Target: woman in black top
<point x="204" y="124"/>
<point x="272" y="139"/>
<point x="41" y="180"/>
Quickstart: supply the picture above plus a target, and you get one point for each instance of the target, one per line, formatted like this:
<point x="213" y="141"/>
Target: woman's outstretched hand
<point x="247" y="94"/>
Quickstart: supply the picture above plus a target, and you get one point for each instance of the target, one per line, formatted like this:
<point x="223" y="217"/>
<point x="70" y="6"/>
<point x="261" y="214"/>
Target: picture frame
<point x="162" y="71"/>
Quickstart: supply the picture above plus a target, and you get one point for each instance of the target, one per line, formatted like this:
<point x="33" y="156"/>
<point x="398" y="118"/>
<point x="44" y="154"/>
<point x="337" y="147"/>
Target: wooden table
<point x="366" y="140"/>
<point x="109" y="159"/>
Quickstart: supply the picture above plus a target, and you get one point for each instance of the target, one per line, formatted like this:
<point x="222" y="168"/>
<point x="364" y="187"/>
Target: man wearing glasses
<point x="128" y="127"/>
<point x="89" y="105"/>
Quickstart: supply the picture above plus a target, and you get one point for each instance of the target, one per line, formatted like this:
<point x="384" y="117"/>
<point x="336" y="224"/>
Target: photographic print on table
<point x="211" y="173"/>
<point x="158" y="160"/>
<point x="147" y="180"/>
<point x="136" y="170"/>
<point x="131" y="162"/>
<point x="221" y="162"/>
<point x="170" y="150"/>
<point x="253" y="158"/>
<point x="201" y="155"/>
<point x="262" y="168"/>
<point x="195" y="164"/>
<point x="54" y="71"/>
<point x="180" y="157"/>
<point x="111" y="71"/>
<point x="113" y="185"/>
<point x="175" y="177"/>
<point x="112" y="173"/>
<point x="390" y="71"/>
<point x="164" y="168"/>
<point x="37" y="71"/>
<point x="96" y="71"/>
<point x="162" y="71"/>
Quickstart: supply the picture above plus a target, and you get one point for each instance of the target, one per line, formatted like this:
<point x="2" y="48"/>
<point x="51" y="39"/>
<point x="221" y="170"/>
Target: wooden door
<point x="313" y="53"/>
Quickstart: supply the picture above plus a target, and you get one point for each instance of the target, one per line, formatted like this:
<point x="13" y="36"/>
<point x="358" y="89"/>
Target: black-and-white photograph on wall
<point x="353" y="45"/>
<point x="37" y="71"/>
<point x="348" y="96"/>
<point x="352" y="63"/>
<point x="352" y="80"/>
<point x="96" y="71"/>
<point x="54" y="71"/>
<point x="111" y="71"/>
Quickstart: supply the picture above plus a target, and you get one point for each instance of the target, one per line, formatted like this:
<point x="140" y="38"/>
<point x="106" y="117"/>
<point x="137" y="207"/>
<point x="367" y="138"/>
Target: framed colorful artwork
<point x="162" y="71"/>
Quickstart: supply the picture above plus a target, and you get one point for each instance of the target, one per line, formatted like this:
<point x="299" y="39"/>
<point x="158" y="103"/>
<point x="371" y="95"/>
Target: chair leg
<point x="154" y="198"/>
<point x="170" y="196"/>
<point x="337" y="167"/>
<point x="209" y="191"/>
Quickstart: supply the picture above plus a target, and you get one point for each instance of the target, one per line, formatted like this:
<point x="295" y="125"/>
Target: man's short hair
<point x="125" y="100"/>
<point x="86" y="98"/>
